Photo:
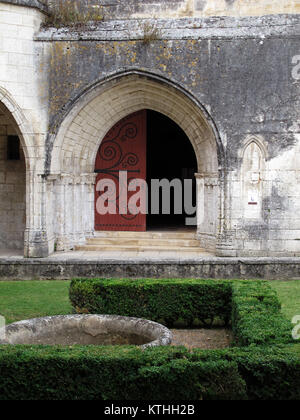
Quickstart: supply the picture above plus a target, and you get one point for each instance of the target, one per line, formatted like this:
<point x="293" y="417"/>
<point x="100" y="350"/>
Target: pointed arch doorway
<point x="87" y="122"/>
<point x="149" y="147"/>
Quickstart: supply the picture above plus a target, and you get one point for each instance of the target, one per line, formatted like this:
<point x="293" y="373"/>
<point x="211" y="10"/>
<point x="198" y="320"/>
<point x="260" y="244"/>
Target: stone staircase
<point x="152" y="241"/>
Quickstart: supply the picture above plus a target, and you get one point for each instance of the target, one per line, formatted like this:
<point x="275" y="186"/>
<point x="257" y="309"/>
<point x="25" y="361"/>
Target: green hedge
<point x="253" y="306"/>
<point x="256" y="316"/>
<point x="270" y="373"/>
<point x="161" y="373"/>
<point x="174" y="303"/>
<point x="89" y="373"/>
<point x="264" y="367"/>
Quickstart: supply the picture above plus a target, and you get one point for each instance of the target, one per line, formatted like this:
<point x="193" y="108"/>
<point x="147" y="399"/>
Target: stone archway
<point x="93" y="115"/>
<point x="16" y="155"/>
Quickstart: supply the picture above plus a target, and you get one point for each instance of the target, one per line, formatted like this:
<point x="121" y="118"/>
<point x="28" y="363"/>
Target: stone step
<point x="148" y="235"/>
<point x="153" y="241"/>
<point x="161" y="242"/>
<point x="133" y="248"/>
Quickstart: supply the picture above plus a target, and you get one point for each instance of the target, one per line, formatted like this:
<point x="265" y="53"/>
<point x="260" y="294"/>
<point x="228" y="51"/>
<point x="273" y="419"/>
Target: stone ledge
<point x="35" y="4"/>
<point x="180" y="29"/>
<point x="231" y="268"/>
<point x="151" y="260"/>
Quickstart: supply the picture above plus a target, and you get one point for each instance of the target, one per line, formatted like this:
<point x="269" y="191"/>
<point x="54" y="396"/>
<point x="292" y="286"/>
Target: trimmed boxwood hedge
<point x="114" y="374"/>
<point x="174" y="303"/>
<point x="256" y="316"/>
<point x="264" y="367"/>
<point x="252" y="306"/>
<point x="161" y="373"/>
<point x="270" y="373"/>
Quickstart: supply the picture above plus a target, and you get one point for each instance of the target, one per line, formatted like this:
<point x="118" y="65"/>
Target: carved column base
<point x="63" y="244"/>
<point x="225" y="245"/>
<point x="37" y="244"/>
<point x="207" y="241"/>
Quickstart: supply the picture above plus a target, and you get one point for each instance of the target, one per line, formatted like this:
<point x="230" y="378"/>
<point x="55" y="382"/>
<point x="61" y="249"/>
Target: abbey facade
<point x="224" y="73"/>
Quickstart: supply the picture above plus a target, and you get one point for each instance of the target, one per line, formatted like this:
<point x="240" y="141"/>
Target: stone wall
<point x="24" y="92"/>
<point x="241" y="75"/>
<point x="12" y="190"/>
<point x="20" y="73"/>
<point x="231" y="83"/>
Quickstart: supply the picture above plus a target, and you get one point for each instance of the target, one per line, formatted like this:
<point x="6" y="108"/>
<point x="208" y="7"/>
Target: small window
<point x="13" y="148"/>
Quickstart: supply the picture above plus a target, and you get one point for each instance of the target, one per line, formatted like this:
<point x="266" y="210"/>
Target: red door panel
<point x="123" y="149"/>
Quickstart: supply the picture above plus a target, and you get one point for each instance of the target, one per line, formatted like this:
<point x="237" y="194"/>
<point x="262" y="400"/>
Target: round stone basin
<point x="68" y="330"/>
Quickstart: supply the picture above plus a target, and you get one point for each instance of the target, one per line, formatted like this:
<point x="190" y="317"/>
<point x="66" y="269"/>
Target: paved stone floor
<point x="7" y="253"/>
<point x="114" y="256"/>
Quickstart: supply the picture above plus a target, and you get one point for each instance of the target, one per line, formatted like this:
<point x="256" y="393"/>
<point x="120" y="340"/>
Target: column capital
<point x="207" y="175"/>
<point x="89" y="179"/>
<point x="209" y="179"/>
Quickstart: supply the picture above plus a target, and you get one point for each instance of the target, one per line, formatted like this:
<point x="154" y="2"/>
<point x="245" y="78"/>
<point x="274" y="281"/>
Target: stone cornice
<point x="272" y="26"/>
<point x="36" y="4"/>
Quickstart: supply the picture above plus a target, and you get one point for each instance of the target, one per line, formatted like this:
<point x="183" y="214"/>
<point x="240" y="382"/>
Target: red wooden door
<point x="121" y="158"/>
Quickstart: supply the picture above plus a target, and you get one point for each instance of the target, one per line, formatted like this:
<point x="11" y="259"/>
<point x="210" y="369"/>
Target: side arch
<point x="23" y="126"/>
<point x="258" y="141"/>
<point x="18" y="210"/>
<point x="253" y="168"/>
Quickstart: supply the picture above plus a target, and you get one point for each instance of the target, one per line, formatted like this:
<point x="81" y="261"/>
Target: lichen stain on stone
<point x="165" y="52"/>
<point x="60" y="71"/>
<point x="119" y="48"/>
<point x="43" y="86"/>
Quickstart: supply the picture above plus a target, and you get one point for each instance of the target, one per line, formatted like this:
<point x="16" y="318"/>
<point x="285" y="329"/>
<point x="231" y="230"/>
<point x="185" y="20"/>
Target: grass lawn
<point x="32" y="299"/>
<point x="289" y="296"/>
<point x="23" y="300"/>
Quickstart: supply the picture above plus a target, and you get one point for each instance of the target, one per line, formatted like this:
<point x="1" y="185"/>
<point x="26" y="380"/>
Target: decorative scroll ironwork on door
<point x="122" y="149"/>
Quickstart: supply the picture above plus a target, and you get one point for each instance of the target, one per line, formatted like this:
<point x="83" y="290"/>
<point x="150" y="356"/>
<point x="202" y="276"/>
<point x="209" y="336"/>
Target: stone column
<point x="37" y="242"/>
<point x="225" y="246"/>
<point x="74" y="210"/>
<point x="69" y="213"/>
<point x="60" y="212"/>
<point x="50" y="210"/>
<point x="207" y="209"/>
<point x="88" y="181"/>
<point x="78" y="205"/>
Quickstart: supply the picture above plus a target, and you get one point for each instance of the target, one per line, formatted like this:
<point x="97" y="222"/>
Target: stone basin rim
<point x="159" y="334"/>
